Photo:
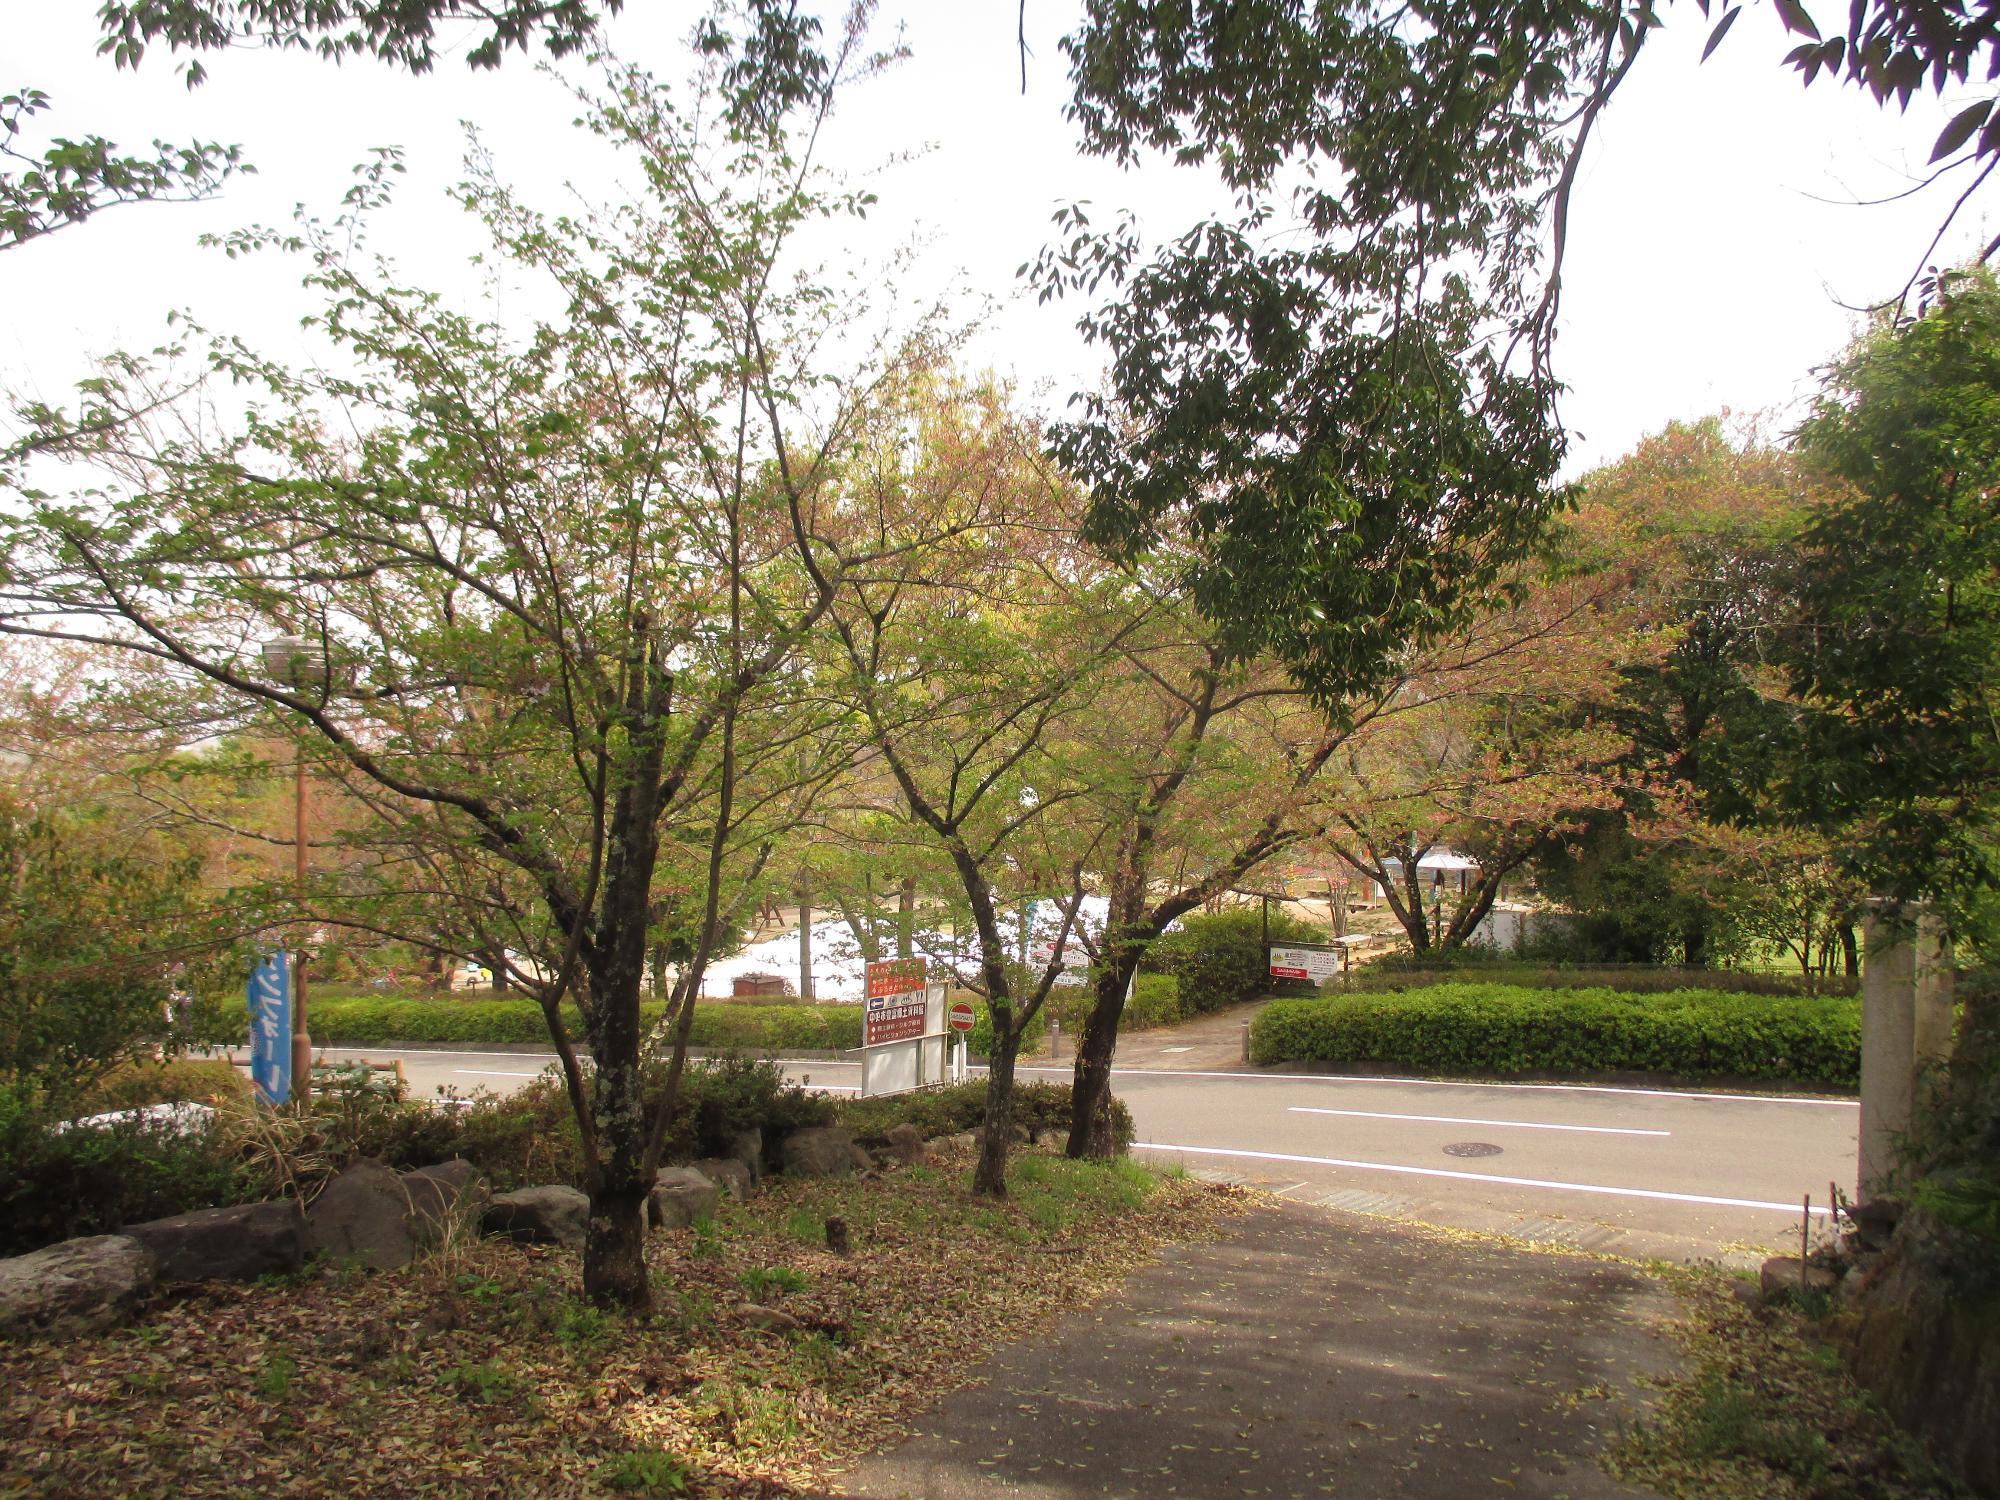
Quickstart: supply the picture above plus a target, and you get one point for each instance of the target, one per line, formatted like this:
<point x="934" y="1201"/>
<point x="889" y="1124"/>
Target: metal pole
<point x="301" y="1039"/>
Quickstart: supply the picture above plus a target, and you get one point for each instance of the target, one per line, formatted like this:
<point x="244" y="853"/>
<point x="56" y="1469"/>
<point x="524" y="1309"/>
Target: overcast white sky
<point x="1714" y="240"/>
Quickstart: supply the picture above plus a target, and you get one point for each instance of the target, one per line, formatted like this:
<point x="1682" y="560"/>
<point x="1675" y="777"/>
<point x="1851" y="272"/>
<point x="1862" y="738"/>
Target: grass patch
<point x="1767" y="1410"/>
<point x="488" y="1363"/>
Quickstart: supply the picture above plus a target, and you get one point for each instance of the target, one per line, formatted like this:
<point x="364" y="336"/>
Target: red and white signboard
<point x="961" y="1016"/>
<point x="893" y="1018"/>
<point x="897" y="976"/>
<point x="1311" y="964"/>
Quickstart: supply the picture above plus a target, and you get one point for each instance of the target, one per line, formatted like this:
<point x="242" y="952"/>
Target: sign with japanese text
<point x="270" y="1006"/>
<point x="1303" y="963"/>
<point x="896" y="976"/>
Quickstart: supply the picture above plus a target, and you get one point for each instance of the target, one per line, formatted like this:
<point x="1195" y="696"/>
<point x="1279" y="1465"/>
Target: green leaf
<point x="1960" y="130"/>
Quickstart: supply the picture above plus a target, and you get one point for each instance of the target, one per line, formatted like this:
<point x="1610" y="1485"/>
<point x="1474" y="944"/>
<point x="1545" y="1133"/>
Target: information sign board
<point x="896" y="976"/>
<point x="270" y="1006"/>
<point x="1311" y="964"/>
<point x="893" y="1018"/>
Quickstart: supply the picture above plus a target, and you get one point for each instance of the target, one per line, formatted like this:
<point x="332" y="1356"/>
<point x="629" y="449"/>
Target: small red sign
<point x="895" y="976"/>
<point x="961" y="1016"/>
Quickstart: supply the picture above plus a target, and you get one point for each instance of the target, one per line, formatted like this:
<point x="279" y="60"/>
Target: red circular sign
<point x="961" y="1015"/>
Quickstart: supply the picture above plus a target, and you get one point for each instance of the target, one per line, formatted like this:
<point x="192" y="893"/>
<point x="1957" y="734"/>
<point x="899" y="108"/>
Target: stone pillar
<point x="1906" y="1011"/>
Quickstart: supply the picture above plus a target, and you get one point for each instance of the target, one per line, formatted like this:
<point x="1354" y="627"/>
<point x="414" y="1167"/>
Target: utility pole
<point x="301" y="1040"/>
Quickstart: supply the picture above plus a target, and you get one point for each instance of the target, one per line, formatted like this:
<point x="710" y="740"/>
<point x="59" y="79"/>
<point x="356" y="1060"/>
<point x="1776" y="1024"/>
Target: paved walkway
<point x="1306" y="1353"/>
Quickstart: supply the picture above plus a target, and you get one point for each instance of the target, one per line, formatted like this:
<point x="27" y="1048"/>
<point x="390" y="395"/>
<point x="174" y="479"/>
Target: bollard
<point x="1055" y="1038"/>
<point x="1246" y="1041"/>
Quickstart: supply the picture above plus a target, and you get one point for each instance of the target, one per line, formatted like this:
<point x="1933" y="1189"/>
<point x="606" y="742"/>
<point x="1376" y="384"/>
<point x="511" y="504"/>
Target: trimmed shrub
<point x="717" y="1026"/>
<point x="1490" y="1028"/>
<point x="1403" y="971"/>
<point x="1217" y="961"/>
<point x="1041" y="1108"/>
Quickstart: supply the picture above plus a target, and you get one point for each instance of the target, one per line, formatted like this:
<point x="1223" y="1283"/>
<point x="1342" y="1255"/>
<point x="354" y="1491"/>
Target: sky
<point x="1718" y="242"/>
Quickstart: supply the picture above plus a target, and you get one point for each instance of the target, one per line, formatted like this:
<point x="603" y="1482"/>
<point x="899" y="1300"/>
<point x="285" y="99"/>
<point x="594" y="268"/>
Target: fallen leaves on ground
<point x="482" y="1372"/>
<point x="1765" y="1409"/>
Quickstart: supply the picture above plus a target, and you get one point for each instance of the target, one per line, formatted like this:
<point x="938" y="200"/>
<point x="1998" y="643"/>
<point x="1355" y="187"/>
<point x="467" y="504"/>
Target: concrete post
<point x="1906" y="1005"/>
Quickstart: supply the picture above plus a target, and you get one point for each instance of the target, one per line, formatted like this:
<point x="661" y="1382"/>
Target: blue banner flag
<point x="271" y="1029"/>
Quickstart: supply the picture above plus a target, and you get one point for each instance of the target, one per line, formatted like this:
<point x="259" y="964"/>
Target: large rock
<point x="679" y="1197"/>
<point x="906" y="1143"/>
<point x="362" y="1217"/>
<point x="819" y="1151"/>
<point x="540" y="1216"/>
<point x="1931" y="1359"/>
<point x="1787" y="1276"/>
<point x="730" y="1176"/>
<point x="79" y="1286"/>
<point x="450" y="1193"/>
<point x="239" y="1243"/>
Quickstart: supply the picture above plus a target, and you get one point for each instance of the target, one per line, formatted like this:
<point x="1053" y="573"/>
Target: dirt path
<point x="1306" y="1353"/>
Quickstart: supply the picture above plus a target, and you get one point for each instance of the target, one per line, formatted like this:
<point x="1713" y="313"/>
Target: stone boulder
<point x="819" y="1151"/>
<point x="906" y="1144"/>
<point x="748" y="1148"/>
<point x="681" y="1196"/>
<point x="362" y="1217"/>
<point x="539" y="1216"/>
<point x="239" y="1243"/>
<point x="452" y="1192"/>
<point x="1910" y="1341"/>
<point x="730" y="1176"/>
<point x="1787" y="1276"/>
<point x="79" y="1286"/>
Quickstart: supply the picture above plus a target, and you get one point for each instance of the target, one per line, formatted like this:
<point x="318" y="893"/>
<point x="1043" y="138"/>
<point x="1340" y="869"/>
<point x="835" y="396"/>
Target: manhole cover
<point x="1472" y="1148"/>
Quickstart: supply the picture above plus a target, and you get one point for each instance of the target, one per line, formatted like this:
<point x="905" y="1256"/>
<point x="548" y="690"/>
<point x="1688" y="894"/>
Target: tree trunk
<point x="990" y="1176"/>
<point x="496" y="965"/>
<point x="614" y="1249"/>
<point x="805" y="947"/>
<point x="1694" y="943"/>
<point x="1850" y="951"/>
<point x="659" y="968"/>
<point x="1090" y="1091"/>
<point x="906" y="918"/>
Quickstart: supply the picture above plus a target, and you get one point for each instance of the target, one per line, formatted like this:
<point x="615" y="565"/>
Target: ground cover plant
<point x="1763" y="1407"/>
<point x="484" y="1372"/>
<point x="1493" y="1028"/>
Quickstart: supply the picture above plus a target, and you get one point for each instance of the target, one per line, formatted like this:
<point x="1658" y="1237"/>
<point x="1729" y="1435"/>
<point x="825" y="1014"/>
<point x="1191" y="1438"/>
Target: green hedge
<point x="719" y="1026"/>
<point x="1491" y="1028"/>
<point x="1218" y="960"/>
<point x="1402" y="971"/>
<point x="1156" y="1001"/>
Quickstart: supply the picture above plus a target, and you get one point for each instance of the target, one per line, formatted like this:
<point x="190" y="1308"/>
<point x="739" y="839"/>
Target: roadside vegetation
<point x="1473" y="1029"/>
<point x="767" y="1360"/>
<point x="1765" y="1408"/>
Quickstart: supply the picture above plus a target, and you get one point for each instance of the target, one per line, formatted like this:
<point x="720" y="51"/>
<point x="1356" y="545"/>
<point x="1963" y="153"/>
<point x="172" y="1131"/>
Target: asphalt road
<point x="1649" y="1172"/>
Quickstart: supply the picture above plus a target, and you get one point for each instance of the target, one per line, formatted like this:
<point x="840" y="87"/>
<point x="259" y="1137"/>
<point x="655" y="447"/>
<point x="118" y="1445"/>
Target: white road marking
<point x="1448" y="1083"/>
<point x="1177" y="1049"/>
<point x="1369" y="1114"/>
<point x="495" y="1073"/>
<point x="1536" y="1182"/>
<point x="1429" y="1083"/>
